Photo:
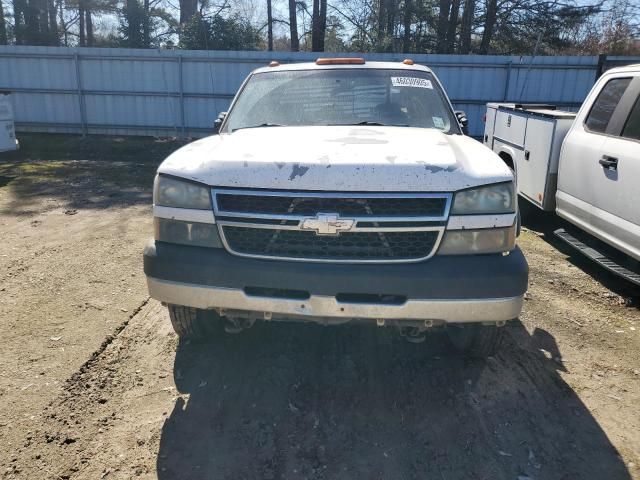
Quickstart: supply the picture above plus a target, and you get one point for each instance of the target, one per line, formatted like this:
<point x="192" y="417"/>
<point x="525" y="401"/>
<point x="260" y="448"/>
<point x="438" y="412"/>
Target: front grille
<point x="349" y="246"/>
<point x="331" y="226"/>
<point x="310" y="205"/>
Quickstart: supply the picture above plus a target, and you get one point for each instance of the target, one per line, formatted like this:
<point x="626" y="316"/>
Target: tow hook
<point x="413" y="334"/>
<point x="236" y="325"/>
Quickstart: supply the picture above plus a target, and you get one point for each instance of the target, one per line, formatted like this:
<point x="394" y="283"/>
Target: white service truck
<point x="337" y="191"/>
<point x="585" y="166"/>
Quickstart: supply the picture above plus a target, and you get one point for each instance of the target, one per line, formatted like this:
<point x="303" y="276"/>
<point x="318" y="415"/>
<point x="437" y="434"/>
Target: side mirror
<point x="463" y="121"/>
<point x="218" y="122"/>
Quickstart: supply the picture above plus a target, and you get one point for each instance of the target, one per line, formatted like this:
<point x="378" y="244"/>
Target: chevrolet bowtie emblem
<point x="327" y="224"/>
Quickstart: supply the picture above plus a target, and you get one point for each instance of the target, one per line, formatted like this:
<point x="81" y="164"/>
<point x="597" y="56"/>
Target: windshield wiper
<point x="258" y="126"/>
<point x="373" y="124"/>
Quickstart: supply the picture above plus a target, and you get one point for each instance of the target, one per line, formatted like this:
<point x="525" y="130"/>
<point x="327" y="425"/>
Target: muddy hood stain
<point x="359" y="157"/>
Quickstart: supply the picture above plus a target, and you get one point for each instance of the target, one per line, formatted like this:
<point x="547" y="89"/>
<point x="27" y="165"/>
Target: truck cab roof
<point x="626" y="69"/>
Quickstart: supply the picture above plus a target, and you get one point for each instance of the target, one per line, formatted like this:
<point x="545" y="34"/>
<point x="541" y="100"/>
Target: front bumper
<point x="456" y="289"/>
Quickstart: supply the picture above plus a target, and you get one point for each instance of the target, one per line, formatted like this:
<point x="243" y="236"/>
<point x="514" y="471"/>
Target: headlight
<point x="492" y="199"/>
<point x="170" y="192"/>
<point x="187" y="233"/>
<point x="470" y="242"/>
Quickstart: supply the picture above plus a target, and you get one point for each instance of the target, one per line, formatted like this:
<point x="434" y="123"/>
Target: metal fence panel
<point x="179" y="93"/>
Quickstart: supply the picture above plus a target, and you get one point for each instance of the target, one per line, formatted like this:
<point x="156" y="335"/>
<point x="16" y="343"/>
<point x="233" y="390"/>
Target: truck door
<point x="580" y="173"/>
<point x="616" y="212"/>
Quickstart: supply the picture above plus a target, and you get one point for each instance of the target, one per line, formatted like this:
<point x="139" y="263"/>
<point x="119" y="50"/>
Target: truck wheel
<point x="475" y="339"/>
<point x="194" y="323"/>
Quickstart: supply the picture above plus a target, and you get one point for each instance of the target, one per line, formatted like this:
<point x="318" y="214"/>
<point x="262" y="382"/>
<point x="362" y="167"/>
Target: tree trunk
<point x="383" y="11"/>
<point x="443" y="21"/>
<point x="406" y="38"/>
<point x="269" y="27"/>
<point x="81" y="12"/>
<point x="43" y="22"/>
<point x="18" y="21"/>
<point x="133" y="24"/>
<point x="453" y="25"/>
<point x="391" y="17"/>
<point x="3" y="27"/>
<point x="188" y="9"/>
<point x="315" y="25"/>
<point x="293" y="25"/>
<point x="146" y="25"/>
<point x="31" y="23"/>
<point x="323" y="25"/>
<point x="65" y="32"/>
<point x="489" y="25"/>
<point x="53" y="23"/>
<point x="467" y="23"/>
<point x="89" y="27"/>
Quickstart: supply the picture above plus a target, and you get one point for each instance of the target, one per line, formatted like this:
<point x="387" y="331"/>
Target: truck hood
<point x="340" y="158"/>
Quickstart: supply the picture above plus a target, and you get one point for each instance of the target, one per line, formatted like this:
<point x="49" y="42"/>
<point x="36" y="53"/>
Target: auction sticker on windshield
<point x="411" y="82"/>
<point x="438" y="122"/>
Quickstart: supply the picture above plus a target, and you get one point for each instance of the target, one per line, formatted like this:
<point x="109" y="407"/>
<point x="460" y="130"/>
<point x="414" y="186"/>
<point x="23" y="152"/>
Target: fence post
<point x="181" y="84"/>
<point x="602" y="61"/>
<point x="507" y="82"/>
<point x="83" y="110"/>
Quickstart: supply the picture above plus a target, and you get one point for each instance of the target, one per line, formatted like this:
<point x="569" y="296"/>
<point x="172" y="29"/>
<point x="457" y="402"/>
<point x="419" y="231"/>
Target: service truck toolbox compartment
<point x="530" y="138"/>
<point x="510" y="126"/>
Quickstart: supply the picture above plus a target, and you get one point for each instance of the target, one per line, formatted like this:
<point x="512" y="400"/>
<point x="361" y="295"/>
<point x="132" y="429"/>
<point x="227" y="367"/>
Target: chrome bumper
<point x="319" y="306"/>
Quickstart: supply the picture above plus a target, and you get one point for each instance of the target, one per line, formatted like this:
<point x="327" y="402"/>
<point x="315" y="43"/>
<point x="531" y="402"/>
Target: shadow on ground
<point x="299" y="401"/>
<point x="80" y="172"/>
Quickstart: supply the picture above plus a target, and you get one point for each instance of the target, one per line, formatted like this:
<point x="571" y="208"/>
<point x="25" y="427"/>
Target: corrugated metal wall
<point x="179" y="93"/>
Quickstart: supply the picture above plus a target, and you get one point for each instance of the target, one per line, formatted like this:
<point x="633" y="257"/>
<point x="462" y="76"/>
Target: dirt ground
<point x="94" y="383"/>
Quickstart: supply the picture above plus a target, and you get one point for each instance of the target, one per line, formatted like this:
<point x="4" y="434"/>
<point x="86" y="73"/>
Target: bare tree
<point x="361" y="14"/>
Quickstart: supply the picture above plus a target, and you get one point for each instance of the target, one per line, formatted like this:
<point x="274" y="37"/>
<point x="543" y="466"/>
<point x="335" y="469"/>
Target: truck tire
<point x="193" y="323"/>
<point x="476" y="340"/>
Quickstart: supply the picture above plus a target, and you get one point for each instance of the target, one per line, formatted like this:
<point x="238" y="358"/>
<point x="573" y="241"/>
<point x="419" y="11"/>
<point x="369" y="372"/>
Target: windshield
<point x="408" y="98"/>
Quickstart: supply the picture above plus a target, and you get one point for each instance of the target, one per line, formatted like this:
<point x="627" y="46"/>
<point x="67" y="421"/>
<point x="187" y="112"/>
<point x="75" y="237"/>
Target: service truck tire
<point x="475" y="339"/>
<point x="193" y="323"/>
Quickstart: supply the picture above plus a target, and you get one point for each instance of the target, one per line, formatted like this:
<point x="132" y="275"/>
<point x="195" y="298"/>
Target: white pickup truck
<point x="584" y="166"/>
<point x="8" y="139"/>
<point x="335" y="191"/>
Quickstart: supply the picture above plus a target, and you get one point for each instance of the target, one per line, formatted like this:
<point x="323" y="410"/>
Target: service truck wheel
<point x="475" y="340"/>
<point x="194" y="323"/>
